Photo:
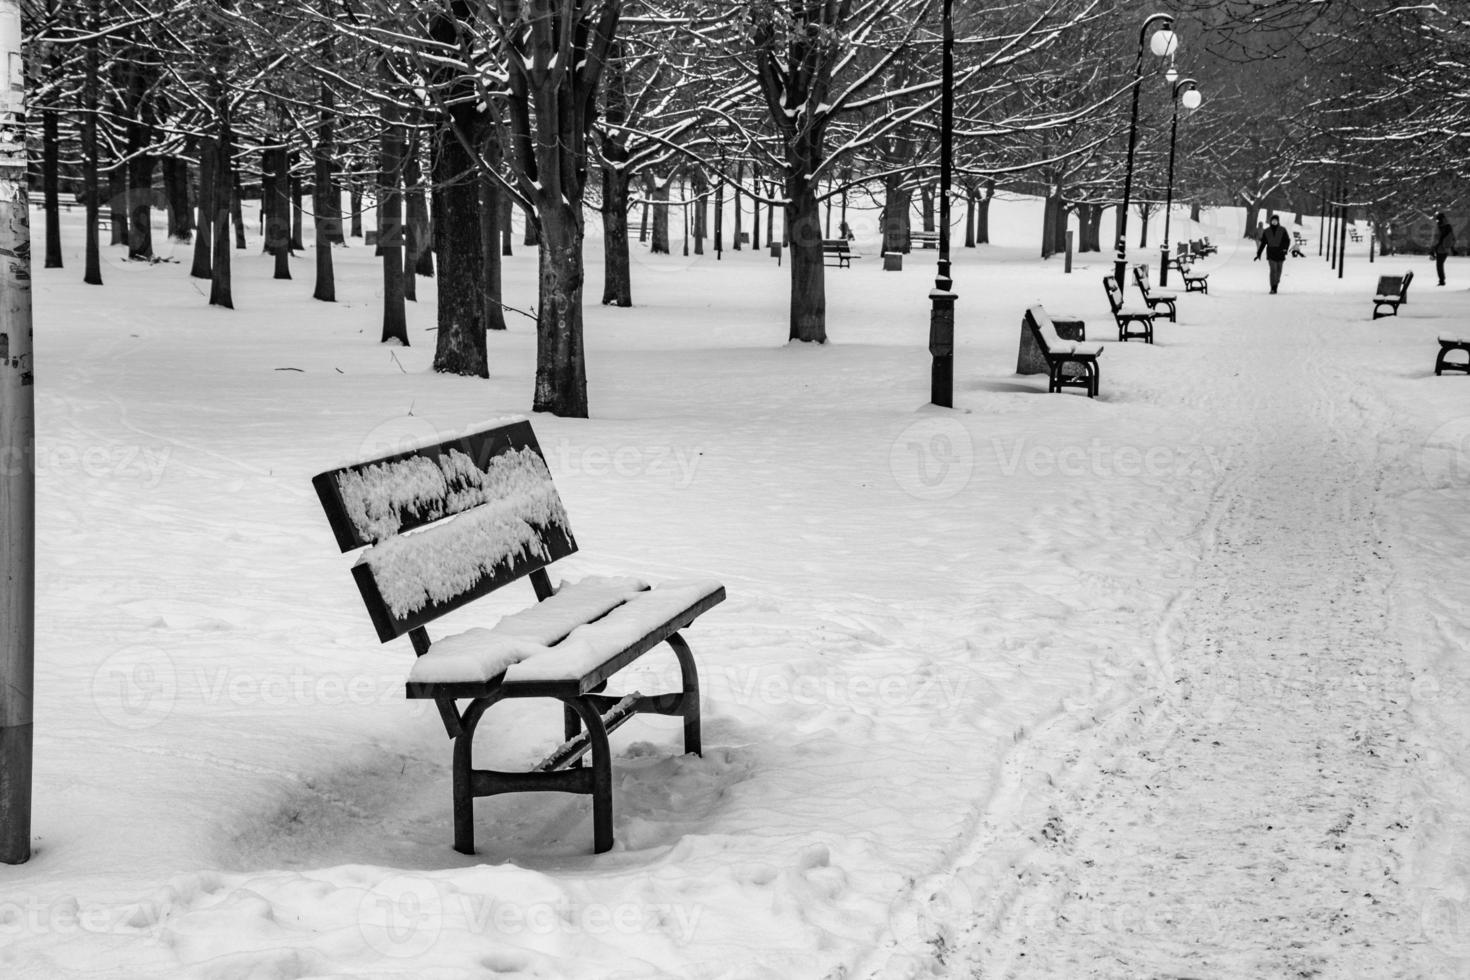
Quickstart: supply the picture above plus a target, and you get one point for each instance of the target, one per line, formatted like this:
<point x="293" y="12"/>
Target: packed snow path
<point x="1255" y="818"/>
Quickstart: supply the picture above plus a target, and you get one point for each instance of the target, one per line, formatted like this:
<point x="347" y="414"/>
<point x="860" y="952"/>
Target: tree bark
<point x="658" y="192"/>
<point x="91" y="100"/>
<point x="896" y="202"/>
<point x="617" y="279"/>
<point x="390" y="233"/>
<point x="459" y="346"/>
<point x="490" y="194"/>
<point x="176" y="190"/>
<point x="325" y="202"/>
<point x="117" y="203"/>
<point x="204" y="239"/>
<point x="50" y="185"/>
<point x="561" y="369"/>
<point x="808" y="274"/>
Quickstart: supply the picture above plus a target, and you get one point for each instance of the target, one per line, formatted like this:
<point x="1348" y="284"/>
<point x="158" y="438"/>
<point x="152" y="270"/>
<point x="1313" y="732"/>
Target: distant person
<point x="1275" y="242"/>
<point x="845" y="231"/>
<point x="1444" y="243"/>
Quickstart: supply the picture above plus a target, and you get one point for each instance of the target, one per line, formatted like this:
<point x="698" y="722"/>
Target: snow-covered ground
<point x="1171" y="683"/>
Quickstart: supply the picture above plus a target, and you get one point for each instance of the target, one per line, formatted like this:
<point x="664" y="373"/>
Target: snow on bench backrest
<point x="1048" y="331"/>
<point x="446" y="523"/>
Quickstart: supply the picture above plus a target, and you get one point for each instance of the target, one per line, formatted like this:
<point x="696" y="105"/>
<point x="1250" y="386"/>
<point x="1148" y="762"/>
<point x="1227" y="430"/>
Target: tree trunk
<point x="91" y="100"/>
<point x="1049" y="223"/>
<point x="415" y="224"/>
<point x="735" y="201"/>
<point x="176" y="189"/>
<point x="354" y="201"/>
<point x="561" y="368"/>
<point x="982" y="215"/>
<point x="237" y="211"/>
<point x="533" y="229"/>
<point x="969" y="217"/>
<point x="277" y="193"/>
<point x="719" y="217"/>
<point x="701" y="199"/>
<point x="204" y="239"/>
<point x="617" y="280"/>
<point x="459" y="347"/>
<point x="50" y="185"/>
<point x="808" y="274"/>
<point x="896" y="202"/>
<point x="1144" y="211"/>
<point x="117" y="203"/>
<point x="298" y="214"/>
<point x="658" y="191"/>
<point x="226" y="206"/>
<point x="390" y="234"/>
<point x="507" y="208"/>
<point x="926" y="206"/>
<point x="1252" y="219"/>
<point x="490" y="194"/>
<point x="325" y="201"/>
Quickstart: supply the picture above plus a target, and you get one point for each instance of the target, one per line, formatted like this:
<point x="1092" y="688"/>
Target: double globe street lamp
<point x="1186" y="93"/>
<point x="1163" y="44"/>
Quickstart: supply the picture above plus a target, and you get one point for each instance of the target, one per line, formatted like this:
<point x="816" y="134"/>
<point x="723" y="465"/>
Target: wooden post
<point x="17" y="474"/>
<point x="1068" y="267"/>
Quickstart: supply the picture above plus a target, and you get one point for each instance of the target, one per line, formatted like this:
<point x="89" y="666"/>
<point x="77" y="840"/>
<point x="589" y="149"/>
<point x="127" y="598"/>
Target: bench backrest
<point x="1389" y="285"/>
<point x="1115" y="295"/>
<point x="1140" y="276"/>
<point x="445" y="524"/>
<point x="1404" y="289"/>
<point x="1041" y="327"/>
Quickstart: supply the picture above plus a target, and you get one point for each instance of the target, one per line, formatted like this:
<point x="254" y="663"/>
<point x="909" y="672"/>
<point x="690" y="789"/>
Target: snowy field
<point x="1171" y="683"/>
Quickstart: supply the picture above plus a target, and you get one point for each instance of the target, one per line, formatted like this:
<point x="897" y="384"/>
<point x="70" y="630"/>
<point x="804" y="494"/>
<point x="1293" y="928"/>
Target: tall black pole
<point x="1120" y="263"/>
<point x="941" y="313"/>
<point x="18" y="479"/>
<point x="1183" y="85"/>
<point x="1342" y="232"/>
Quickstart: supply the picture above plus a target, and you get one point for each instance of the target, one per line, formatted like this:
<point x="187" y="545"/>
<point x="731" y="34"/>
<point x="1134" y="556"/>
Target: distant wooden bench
<point x="923" y="239"/>
<point x="1061" y="354"/>
<point x="1195" y="282"/>
<point x="839" y="249"/>
<point x="1128" y="316"/>
<point x="1298" y="242"/>
<point x="1448" y="343"/>
<point x="1392" y="292"/>
<point x="1153" y="299"/>
<point x="1181" y="259"/>
<point x="445" y="524"/>
<point x="1355" y="235"/>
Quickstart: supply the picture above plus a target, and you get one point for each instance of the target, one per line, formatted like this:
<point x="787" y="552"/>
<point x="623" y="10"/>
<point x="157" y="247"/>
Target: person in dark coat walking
<point x="1444" y="243"/>
<point x="1275" y="242"/>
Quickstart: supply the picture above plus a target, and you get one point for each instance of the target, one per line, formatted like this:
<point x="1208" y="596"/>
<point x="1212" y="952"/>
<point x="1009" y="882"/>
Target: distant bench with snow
<point x="1392" y="292"/>
<point x="444" y="525"/>
<point x="1449" y="342"/>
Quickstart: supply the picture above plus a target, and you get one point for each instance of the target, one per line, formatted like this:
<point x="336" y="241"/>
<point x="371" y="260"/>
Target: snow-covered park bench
<point x="445" y="524"/>
<point x="1153" y="299"/>
<point x="839" y="249"/>
<point x="1449" y="342"/>
<point x="1061" y="353"/>
<point x="1127" y="316"/>
<point x="1392" y="292"/>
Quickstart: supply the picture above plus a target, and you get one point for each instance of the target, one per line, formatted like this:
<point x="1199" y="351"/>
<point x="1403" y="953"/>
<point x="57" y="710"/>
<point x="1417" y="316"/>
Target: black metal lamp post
<point x="941" y="312"/>
<point x="1186" y="91"/>
<point x="1163" y="44"/>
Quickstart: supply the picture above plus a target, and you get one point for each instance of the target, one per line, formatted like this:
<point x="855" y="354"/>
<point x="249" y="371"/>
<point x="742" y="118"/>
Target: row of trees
<point x="451" y="113"/>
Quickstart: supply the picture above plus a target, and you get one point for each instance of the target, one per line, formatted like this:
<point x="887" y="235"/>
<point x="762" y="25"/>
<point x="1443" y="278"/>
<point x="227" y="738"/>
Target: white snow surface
<point x="1169" y="683"/>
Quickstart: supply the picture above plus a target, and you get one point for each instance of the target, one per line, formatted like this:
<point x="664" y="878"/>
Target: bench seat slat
<point x="534" y="661"/>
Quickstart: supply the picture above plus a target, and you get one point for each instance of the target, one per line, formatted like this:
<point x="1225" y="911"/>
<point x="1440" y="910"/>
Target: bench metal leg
<point x="602" y="812"/>
<point x="689" y="700"/>
<point x="464" y="793"/>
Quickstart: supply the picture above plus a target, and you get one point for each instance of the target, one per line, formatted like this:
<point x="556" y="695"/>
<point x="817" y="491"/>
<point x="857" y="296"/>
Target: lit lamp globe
<point x="1164" y="43"/>
<point x="1172" y="75"/>
<point x="1191" y="99"/>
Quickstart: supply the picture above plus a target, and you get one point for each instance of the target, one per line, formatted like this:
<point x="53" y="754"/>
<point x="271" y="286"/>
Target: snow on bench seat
<point x="481" y="653"/>
<point x="560" y="646"/>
